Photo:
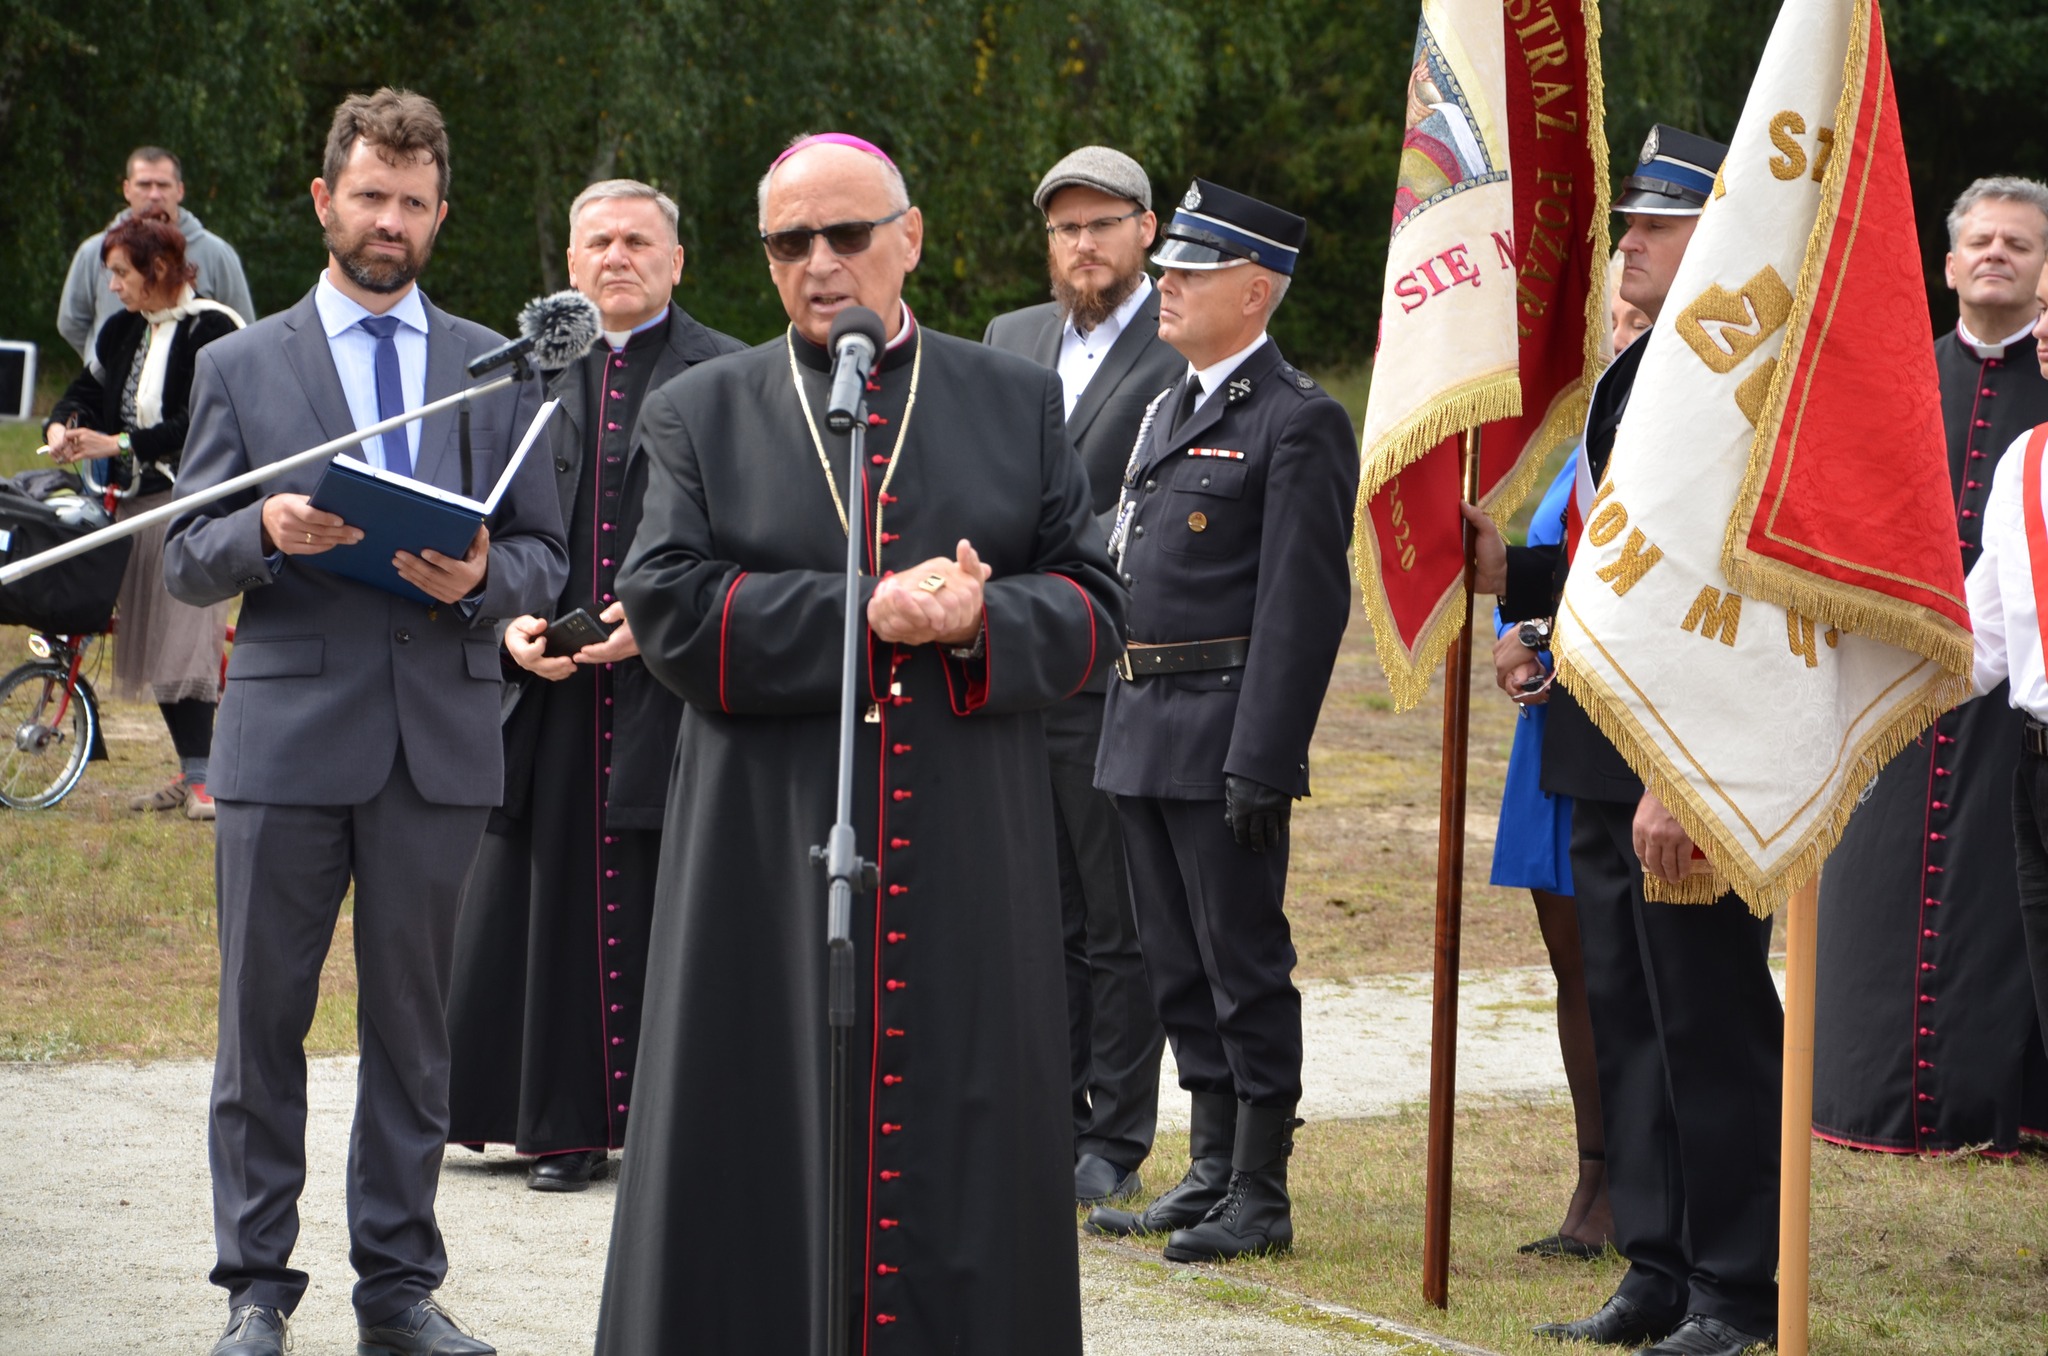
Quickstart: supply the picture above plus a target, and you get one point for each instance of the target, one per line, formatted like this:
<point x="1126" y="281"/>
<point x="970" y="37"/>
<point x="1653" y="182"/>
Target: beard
<point x="1089" y="307"/>
<point x="376" y="273"/>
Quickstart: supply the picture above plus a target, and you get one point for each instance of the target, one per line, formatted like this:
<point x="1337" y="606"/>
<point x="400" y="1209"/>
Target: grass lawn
<point x="1910" y="1257"/>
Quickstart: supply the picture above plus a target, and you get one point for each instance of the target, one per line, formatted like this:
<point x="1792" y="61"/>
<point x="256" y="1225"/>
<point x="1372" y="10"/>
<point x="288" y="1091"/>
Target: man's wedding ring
<point x="309" y="539"/>
<point x="932" y="583"/>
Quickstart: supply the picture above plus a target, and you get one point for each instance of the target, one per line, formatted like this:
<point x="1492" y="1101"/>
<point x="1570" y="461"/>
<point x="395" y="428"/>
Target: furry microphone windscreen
<point x="562" y="326"/>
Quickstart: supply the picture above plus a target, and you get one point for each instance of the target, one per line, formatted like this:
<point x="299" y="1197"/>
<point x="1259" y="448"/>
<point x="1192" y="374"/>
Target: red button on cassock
<point x="884" y="1269"/>
<point x="886" y="1223"/>
<point x="891" y="1080"/>
<point x="892" y="1031"/>
<point x="901" y="795"/>
<point x="895" y="984"/>
<point x="899" y="843"/>
<point x="899" y="889"/>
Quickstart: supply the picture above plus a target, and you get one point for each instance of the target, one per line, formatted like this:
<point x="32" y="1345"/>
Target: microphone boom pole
<point x="128" y="527"/>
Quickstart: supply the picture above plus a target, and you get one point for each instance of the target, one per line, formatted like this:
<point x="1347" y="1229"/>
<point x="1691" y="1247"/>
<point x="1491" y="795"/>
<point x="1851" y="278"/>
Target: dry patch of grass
<point x="1910" y="1257"/>
<point x="107" y="942"/>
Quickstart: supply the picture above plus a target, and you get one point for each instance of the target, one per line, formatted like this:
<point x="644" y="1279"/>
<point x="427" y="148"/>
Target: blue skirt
<point x="1532" y="848"/>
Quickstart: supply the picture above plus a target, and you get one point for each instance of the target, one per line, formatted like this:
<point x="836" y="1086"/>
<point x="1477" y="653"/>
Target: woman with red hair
<point x="123" y="422"/>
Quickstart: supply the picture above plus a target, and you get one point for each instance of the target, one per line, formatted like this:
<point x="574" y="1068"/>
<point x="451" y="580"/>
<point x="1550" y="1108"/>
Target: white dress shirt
<point x="1213" y="376"/>
<point x="1081" y="354"/>
<point x="2004" y="614"/>
<point x="355" y="359"/>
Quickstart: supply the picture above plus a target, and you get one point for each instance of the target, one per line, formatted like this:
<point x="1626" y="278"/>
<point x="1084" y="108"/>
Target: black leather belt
<point x="2034" y="737"/>
<point x="1193" y="656"/>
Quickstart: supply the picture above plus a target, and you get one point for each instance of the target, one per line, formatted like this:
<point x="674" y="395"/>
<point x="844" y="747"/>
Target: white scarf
<point x="156" y="360"/>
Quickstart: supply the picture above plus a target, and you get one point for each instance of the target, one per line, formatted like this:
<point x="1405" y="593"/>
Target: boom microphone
<point x="855" y="340"/>
<point x="554" y="331"/>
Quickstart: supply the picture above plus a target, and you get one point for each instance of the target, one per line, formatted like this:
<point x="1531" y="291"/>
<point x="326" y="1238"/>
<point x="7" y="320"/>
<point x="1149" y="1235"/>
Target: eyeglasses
<point x="1069" y="232"/>
<point x="845" y="237"/>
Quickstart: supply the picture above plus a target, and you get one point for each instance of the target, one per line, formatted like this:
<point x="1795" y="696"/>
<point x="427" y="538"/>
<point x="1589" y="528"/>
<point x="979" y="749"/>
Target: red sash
<point x="2037" y="531"/>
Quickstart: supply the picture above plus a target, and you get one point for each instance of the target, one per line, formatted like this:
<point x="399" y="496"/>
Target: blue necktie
<point x="390" y="390"/>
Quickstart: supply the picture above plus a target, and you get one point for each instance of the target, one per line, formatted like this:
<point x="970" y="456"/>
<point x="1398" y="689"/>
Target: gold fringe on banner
<point x="1498" y="395"/>
<point x="1764" y="891"/>
<point x="1859" y="611"/>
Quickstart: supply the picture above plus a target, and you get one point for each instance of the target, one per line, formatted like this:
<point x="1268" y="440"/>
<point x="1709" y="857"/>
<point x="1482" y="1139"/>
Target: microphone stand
<point x="846" y="870"/>
<point x="128" y="527"/>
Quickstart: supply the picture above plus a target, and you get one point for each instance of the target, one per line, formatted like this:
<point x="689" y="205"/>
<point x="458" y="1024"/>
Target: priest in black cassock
<point x="1924" y="1033"/>
<point x="988" y="597"/>
<point x="551" y="948"/>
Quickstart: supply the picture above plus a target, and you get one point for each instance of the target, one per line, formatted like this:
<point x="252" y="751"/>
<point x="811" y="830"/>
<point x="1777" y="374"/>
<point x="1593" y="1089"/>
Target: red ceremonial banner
<point x="1833" y="520"/>
<point x="1410" y="551"/>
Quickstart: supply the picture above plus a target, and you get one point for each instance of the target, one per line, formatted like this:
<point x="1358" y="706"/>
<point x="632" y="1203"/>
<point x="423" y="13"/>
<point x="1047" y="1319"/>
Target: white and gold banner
<point x="1776" y="369"/>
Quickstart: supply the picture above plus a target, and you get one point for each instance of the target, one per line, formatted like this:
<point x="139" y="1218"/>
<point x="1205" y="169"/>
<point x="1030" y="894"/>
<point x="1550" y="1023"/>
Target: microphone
<point x="554" y="331"/>
<point x="855" y="340"/>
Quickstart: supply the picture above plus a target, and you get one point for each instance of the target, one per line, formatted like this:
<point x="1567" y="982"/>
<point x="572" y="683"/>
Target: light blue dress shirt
<point x="355" y="359"/>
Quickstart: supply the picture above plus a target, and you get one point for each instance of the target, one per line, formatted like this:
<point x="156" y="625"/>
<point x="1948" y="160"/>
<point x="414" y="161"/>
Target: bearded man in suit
<point x="358" y="739"/>
<point x="1101" y="333"/>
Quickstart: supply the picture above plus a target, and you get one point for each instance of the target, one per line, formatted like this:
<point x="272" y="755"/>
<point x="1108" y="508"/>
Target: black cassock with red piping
<point x="963" y="1157"/>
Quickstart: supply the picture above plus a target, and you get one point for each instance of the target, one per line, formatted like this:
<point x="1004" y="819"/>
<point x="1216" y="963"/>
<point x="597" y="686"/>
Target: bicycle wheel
<point x="46" y="735"/>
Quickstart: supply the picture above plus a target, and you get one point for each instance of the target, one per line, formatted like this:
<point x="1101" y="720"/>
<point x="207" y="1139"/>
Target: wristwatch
<point x="977" y="649"/>
<point x="123" y="442"/>
<point x="1535" y="634"/>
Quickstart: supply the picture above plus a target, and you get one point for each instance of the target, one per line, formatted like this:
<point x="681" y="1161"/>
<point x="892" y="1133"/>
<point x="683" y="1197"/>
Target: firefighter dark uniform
<point x="1232" y="537"/>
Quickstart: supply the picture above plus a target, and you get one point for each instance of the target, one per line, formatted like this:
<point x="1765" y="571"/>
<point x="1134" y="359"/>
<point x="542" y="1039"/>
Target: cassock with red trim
<point x="963" y="1158"/>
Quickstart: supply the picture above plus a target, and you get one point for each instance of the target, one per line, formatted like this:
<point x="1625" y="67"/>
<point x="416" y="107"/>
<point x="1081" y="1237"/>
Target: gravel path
<point x="105" y="1222"/>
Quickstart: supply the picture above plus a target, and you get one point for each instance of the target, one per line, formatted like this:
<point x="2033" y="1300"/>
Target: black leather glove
<point x="1257" y="813"/>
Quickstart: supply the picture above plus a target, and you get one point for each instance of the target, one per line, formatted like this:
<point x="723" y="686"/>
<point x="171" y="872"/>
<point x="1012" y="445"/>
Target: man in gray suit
<point x="358" y="735"/>
<point x="1101" y="332"/>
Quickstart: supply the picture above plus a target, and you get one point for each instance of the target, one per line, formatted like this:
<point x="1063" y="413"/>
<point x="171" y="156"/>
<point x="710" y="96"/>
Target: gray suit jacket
<point x="330" y="678"/>
<point x="1105" y="420"/>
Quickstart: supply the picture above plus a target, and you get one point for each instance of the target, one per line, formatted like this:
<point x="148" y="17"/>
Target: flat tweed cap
<point x="1097" y="167"/>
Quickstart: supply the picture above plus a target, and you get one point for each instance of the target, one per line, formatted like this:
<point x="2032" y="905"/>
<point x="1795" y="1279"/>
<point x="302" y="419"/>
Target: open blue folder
<point x="398" y="513"/>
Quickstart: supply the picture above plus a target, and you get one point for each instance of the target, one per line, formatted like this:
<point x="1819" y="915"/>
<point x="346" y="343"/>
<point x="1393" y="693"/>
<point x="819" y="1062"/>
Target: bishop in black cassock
<point x="1925" y="1038"/>
<point x="963" y="1232"/>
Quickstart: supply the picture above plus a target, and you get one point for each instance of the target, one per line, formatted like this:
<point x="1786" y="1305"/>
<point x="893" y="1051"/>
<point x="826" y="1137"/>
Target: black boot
<point x="1253" y="1216"/>
<point x="1212" y="1130"/>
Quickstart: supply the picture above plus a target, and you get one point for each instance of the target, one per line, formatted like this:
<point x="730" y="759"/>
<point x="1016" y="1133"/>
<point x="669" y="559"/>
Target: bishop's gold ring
<point x="932" y="583"/>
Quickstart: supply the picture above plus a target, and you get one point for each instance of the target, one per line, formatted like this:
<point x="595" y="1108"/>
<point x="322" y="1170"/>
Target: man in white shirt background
<point x="1101" y="331"/>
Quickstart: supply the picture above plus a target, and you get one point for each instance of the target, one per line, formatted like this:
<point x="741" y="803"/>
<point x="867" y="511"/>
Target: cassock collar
<point x="1985" y="352"/>
<point x="899" y="352"/>
<point x="646" y="334"/>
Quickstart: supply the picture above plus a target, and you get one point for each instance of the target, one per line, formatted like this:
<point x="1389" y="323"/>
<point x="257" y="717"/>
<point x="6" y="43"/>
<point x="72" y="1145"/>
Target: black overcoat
<point x="1925" y="1038"/>
<point x="963" y="1182"/>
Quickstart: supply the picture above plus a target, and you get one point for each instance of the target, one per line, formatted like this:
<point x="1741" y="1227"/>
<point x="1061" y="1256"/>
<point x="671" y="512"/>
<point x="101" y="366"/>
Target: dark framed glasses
<point x="1070" y="232"/>
<point x="845" y="237"/>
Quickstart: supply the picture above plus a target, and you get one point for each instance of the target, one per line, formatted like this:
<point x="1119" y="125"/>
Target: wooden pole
<point x="1795" y="1142"/>
<point x="1450" y="899"/>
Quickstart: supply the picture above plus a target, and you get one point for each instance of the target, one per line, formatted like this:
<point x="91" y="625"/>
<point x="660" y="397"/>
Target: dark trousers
<point x="1114" y="1036"/>
<point x="1689" y="1037"/>
<point x="1217" y="949"/>
<point x="281" y="872"/>
<point x="2030" y="829"/>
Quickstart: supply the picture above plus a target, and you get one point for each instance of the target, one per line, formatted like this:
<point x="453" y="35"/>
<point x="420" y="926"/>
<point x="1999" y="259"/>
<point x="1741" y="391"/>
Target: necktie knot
<point x="380" y="326"/>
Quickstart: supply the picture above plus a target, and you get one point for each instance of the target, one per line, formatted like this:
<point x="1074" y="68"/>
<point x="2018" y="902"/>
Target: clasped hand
<point x="69" y="445"/>
<point x="526" y="641"/>
<point x="935" y="602"/>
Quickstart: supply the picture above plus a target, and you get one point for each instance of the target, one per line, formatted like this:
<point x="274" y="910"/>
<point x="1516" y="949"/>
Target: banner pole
<point x="1795" y="1142"/>
<point x="1450" y="898"/>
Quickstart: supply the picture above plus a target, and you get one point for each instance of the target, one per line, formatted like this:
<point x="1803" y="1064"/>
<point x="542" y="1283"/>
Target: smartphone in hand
<point x="572" y="631"/>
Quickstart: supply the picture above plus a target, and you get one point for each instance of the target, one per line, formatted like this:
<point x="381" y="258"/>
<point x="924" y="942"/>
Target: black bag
<point x="76" y="596"/>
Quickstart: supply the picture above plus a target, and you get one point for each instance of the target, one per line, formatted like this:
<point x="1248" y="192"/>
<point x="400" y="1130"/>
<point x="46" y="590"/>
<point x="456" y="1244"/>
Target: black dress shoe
<point x="252" y="1331"/>
<point x="423" y="1330"/>
<point x="568" y="1172"/>
<point x="1620" y="1322"/>
<point x="1097" y="1181"/>
<point x="1703" y="1336"/>
<point x="1564" y="1245"/>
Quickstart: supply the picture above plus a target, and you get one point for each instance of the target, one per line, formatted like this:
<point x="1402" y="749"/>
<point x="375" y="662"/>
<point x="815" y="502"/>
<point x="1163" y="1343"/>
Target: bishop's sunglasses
<point x="845" y="237"/>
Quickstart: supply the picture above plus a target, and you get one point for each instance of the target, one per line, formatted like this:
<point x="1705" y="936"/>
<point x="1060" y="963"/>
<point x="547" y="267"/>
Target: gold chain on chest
<point x="817" y="441"/>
